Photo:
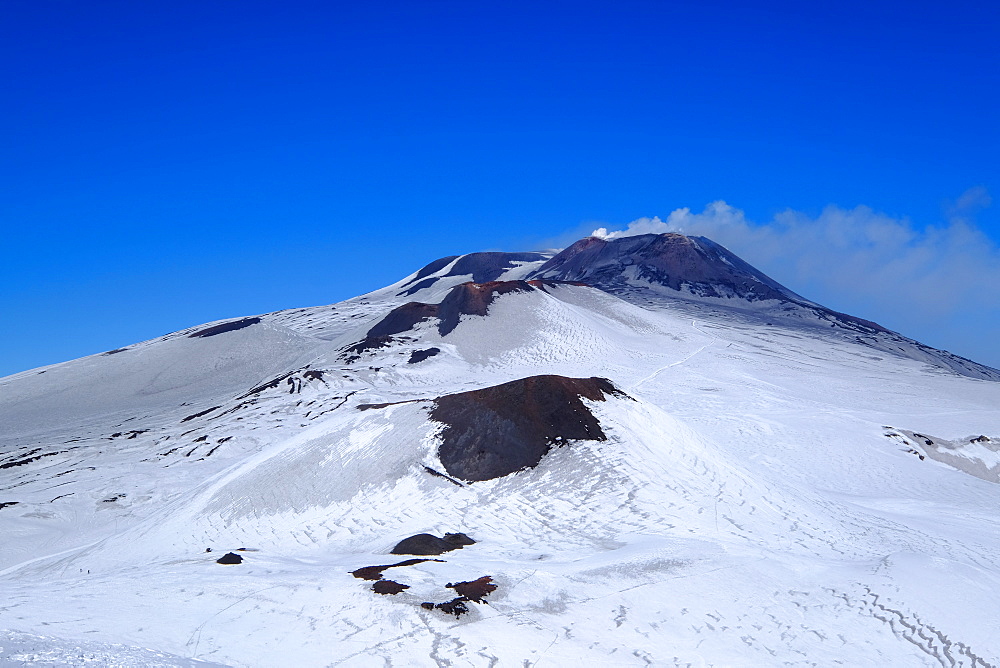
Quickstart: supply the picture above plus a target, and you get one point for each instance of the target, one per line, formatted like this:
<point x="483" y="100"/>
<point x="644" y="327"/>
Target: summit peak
<point x="670" y="260"/>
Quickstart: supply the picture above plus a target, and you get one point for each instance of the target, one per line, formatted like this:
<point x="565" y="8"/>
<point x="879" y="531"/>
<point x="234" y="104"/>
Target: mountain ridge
<point x="673" y="268"/>
<point x="642" y="474"/>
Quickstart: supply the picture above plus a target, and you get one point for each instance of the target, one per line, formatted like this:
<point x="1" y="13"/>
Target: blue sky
<point x="167" y="164"/>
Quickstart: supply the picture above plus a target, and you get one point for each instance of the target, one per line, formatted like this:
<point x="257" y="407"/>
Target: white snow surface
<point x="746" y="509"/>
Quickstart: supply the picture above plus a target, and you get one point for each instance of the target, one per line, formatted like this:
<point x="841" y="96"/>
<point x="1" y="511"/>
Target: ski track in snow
<point x="641" y="381"/>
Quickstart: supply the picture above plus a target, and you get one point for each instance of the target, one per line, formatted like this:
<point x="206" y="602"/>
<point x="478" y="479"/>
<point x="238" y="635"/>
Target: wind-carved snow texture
<point x="743" y="505"/>
<point x="22" y="649"/>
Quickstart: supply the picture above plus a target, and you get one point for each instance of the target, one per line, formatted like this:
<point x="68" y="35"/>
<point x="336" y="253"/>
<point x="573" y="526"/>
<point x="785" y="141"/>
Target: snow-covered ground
<point x="763" y="496"/>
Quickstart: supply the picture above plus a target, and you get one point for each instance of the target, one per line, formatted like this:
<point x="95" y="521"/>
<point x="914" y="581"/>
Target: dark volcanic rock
<point x="696" y="265"/>
<point x="671" y="260"/>
<point x="375" y="572"/>
<point x="489" y="266"/>
<point x="420" y="355"/>
<point x="224" y="327"/>
<point x="473" y="299"/>
<point x="483" y="267"/>
<point x="455" y="606"/>
<point x="474" y="590"/>
<point x="369" y="407"/>
<point x="433" y="268"/>
<point x="442" y="475"/>
<point x="229" y="558"/>
<point x="425" y="543"/>
<point x="402" y="319"/>
<point x="200" y="414"/>
<point x="388" y="587"/>
<point x="269" y="385"/>
<point x="28" y="459"/>
<point x="498" y="430"/>
<point x="465" y="299"/>
<point x="459" y="539"/>
<point x="366" y="344"/>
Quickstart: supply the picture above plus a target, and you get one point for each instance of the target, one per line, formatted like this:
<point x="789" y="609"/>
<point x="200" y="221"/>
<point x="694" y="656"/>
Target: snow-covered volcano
<point x="638" y="451"/>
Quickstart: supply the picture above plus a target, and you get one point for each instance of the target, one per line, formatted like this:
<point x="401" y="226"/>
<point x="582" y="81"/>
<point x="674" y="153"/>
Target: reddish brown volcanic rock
<point x="670" y="260"/>
<point x="473" y="299"/>
<point x="474" y="590"/>
<point x="465" y="299"/>
<point x="498" y="430"/>
<point x="403" y="319"/>
<point x="425" y="544"/>
<point x="388" y="587"/>
<point x="375" y="572"/>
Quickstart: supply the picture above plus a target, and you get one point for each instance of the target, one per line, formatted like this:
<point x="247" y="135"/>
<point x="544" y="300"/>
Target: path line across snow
<point x="678" y="362"/>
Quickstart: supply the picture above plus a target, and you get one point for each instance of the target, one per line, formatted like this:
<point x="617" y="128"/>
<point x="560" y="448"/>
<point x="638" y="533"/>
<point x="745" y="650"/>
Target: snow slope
<point x="746" y="508"/>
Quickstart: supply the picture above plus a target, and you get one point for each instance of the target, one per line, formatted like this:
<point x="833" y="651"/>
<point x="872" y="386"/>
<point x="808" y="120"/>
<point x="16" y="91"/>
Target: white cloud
<point x="882" y="267"/>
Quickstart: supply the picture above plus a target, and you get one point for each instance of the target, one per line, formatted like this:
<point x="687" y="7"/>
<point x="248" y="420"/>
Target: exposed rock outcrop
<point x="427" y="544"/>
<point x="674" y="261"/>
<point x="498" y="430"/>
<point x="222" y="328"/>
<point x="465" y="299"/>
<point x="482" y="267"/>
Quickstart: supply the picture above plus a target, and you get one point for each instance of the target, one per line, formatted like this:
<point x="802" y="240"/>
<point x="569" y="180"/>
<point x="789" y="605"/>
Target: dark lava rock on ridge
<point x="498" y="430"/>
<point x="473" y="299"/>
<point x="465" y="299"/>
<point x="402" y="319"/>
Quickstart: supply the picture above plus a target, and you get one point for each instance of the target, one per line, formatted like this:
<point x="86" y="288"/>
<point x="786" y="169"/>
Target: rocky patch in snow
<point x="495" y="431"/>
<point x="465" y="299"/>
<point x="425" y="544"/>
<point x="481" y="267"/>
<point x="222" y="328"/>
<point x="375" y="572"/>
<point x="474" y="590"/>
<point x="673" y="261"/>
<point x="978" y="456"/>
<point x="388" y="587"/>
<point x="418" y="356"/>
